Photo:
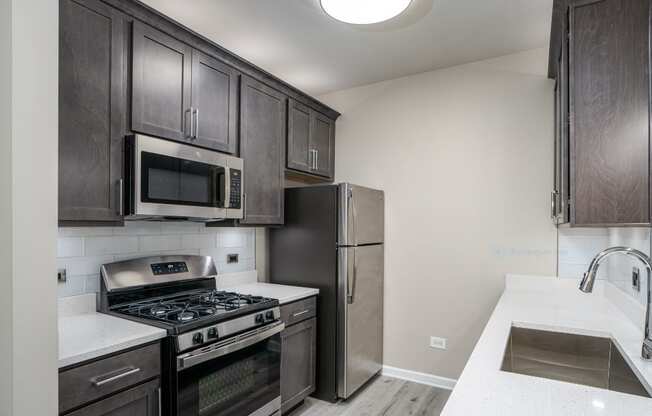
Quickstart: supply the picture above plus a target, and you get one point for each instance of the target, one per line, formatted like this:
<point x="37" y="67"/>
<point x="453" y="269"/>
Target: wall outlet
<point x="231" y="258"/>
<point x="438" y="343"/>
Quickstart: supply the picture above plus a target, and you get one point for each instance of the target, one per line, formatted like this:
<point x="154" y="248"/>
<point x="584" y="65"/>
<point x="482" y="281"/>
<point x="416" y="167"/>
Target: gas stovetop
<point x="202" y="307"/>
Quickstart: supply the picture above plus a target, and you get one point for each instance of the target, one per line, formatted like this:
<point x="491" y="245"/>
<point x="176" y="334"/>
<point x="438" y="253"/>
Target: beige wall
<point x="465" y="156"/>
<point x="5" y="210"/>
<point x="29" y="206"/>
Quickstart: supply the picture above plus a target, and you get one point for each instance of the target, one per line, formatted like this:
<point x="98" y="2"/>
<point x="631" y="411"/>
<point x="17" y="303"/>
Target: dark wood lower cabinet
<point x="298" y="362"/>
<point x="138" y="401"/>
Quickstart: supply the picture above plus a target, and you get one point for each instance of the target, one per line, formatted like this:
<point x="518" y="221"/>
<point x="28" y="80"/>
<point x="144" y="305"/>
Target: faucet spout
<point x="588" y="280"/>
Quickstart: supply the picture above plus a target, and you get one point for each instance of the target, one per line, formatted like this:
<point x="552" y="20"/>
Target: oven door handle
<point x="221" y="349"/>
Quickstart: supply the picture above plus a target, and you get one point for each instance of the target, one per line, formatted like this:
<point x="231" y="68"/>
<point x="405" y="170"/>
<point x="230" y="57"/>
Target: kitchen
<point x="243" y="205"/>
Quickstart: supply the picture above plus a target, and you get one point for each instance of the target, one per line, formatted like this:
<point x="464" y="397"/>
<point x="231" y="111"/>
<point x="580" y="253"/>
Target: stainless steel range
<point x="223" y="353"/>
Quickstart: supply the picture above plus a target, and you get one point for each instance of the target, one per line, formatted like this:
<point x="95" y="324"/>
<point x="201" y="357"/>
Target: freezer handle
<point x="353" y="218"/>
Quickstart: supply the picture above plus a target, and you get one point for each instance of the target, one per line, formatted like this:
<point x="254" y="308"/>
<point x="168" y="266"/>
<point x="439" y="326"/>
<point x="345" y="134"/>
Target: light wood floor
<point x="384" y="396"/>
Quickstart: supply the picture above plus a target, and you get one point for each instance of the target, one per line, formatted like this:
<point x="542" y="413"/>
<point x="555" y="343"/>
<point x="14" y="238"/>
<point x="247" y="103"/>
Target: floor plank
<point x="384" y="396"/>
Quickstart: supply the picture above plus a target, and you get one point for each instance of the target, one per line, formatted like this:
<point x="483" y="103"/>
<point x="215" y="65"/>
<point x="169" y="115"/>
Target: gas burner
<point x="186" y="308"/>
<point x="185" y="316"/>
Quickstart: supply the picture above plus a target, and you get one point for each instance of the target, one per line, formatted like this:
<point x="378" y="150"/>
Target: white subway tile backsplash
<point x="199" y="241"/>
<point x="95" y="246"/>
<point x="70" y="247"/>
<point x="81" y="251"/>
<point x="160" y="243"/>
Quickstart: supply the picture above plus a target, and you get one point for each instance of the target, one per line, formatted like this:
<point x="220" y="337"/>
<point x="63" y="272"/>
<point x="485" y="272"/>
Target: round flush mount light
<point x="364" y="12"/>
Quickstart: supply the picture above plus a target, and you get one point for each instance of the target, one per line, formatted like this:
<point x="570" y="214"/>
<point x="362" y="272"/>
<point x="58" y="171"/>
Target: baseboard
<point x="421" y="378"/>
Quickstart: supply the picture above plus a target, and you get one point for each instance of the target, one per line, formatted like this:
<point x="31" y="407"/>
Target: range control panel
<point x="236" y="188"/>
<point x="169" y="268"/>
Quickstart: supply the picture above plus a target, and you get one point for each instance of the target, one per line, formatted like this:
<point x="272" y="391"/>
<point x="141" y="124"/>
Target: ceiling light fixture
<point x="364" y="12"/>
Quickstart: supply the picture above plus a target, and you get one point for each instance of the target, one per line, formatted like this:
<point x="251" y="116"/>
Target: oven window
<point x="170" y="180"/>
<point x="236" y="384"/>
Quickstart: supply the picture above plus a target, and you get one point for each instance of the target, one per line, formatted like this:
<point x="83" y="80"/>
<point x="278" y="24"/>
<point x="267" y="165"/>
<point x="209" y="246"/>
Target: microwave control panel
<point x="236" y="189"/>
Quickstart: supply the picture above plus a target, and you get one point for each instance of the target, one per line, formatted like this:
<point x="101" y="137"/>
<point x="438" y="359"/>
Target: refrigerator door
<point x="362" y="215"/>
<point x="360" y="316"/>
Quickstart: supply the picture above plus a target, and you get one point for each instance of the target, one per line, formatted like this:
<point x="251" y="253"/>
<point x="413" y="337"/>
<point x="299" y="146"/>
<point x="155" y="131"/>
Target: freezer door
<point x="362" y="215"/>
<point x="360" y="316"/>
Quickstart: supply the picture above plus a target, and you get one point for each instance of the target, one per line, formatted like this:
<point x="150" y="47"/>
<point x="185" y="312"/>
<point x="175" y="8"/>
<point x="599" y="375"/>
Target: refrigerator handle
<point x="350" y="284"/>
<point x="353" y="216"/>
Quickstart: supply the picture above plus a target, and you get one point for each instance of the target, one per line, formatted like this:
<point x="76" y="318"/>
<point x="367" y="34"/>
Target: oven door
<point x="237" y="377"/>
<point x="175" y="180"/>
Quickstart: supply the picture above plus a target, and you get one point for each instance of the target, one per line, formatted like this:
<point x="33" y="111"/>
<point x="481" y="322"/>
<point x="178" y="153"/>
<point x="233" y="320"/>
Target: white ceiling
<point x="296" y="41"/>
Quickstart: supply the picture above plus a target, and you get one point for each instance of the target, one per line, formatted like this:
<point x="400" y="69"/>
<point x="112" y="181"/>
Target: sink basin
<point x="579" y="359"/>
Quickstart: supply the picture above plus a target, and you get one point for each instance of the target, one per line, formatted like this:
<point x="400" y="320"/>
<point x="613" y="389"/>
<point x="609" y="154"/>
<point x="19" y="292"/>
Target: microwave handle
<point x="227" y="187"/>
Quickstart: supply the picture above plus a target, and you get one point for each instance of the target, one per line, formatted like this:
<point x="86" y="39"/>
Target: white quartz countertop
<point x="85" y="334"/>
<point x="284" y="294"/>
<point x="548" y="304"/>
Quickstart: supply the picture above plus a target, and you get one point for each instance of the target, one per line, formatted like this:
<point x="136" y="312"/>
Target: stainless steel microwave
<point x="168" y="180"/>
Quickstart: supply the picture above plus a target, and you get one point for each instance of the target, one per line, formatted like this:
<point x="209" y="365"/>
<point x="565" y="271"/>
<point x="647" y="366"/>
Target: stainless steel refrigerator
<point x="333" y="240"/>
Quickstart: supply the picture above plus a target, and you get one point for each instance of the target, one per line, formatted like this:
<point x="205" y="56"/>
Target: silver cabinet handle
<point x="294" y="315"/>
<point x="311" y="158"/>
<point x="160" y="404"/>
<point x="196" y="113"/>
<point x="316" y="159"/>
<point x="187" y="123"/>
<point x="121" y="197"/>
<point x="102" y="380"/>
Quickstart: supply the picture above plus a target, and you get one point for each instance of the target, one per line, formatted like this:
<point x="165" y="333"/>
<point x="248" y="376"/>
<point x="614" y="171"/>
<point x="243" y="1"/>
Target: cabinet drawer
<point x="92" y="381"/>
<point x="299" y="311"/>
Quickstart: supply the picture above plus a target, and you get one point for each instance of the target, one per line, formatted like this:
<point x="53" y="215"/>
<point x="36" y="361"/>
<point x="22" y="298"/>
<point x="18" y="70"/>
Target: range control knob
<point x="198" y="338"/>
<point x="260" y="319"/>
<point x="212" y="333"/>
<point x="269" y="315"/>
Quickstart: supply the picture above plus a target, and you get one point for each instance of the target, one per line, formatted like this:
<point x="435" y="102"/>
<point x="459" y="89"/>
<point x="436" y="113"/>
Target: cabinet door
<point x="323" y="143"/>
<point x="161" y="84"/>
<point x="215" y="98"/>
<point x="299" y="126"/>
<point x="609" y="89"/>
<point x="298" y="361"/>
<point x="143" y="400"/>
<point x="92" y="110"/>
<point x="263" y="128"/>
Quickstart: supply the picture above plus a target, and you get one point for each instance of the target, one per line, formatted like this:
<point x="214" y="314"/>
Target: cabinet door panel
<point x="138" y="401"/>
<point x="609" y="89"/>
<point x="299" y="126"/>
<point x="263" y="118"/>
<point x="215" y="95"/>
<point x="298" y="363"/>
<point x="161" y="84"/>
<point x="92" y="107"/>
<point x="323" y="141"/>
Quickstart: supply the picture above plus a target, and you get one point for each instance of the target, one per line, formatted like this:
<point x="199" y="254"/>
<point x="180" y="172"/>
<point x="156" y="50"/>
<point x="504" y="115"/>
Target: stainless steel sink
<point x="579" y="359"/>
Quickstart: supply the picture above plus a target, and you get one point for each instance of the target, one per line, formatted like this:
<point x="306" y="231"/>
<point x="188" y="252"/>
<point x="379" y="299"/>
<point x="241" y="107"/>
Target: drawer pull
<point x="295" y="315"/>
<point x="109" y="378"/>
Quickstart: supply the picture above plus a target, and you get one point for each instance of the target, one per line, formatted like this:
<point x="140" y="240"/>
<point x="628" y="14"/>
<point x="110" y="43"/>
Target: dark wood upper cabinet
<point x="298" y="147"/>
<point x="92" y="111"/>
<point x="215" y="96"/>
<point x="161" y="86"/>
<point x="609" y="90"/>
<point x="323" y="142"/>
<point x="311" y="141"/>
<point x="263" y="134"/>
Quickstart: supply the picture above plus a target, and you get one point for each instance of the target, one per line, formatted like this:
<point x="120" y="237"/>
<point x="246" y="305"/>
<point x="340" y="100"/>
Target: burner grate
<point x="187" y="308"/>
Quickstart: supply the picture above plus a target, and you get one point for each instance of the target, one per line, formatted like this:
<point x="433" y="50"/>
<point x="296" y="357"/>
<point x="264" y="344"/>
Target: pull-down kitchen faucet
<point x="589" y="278"/>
